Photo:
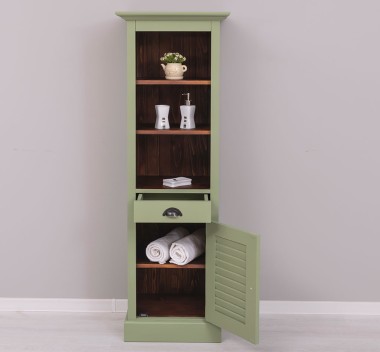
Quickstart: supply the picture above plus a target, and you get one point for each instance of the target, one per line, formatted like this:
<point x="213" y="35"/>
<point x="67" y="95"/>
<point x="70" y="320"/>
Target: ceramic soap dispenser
<point x="187" y="114"/>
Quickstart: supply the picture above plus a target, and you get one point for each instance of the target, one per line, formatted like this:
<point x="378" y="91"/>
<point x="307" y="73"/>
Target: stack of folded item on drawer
<point x="159" y="250"/>
<point x="177" y="182"/>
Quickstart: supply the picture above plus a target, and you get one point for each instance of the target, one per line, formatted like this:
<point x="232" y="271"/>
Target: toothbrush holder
<point x="162" y="119"/>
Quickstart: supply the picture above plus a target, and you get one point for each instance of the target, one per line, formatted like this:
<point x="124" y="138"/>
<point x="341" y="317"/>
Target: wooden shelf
<point x="198" y="263"/>
<point x="161" y="305"/>
<point x="167" y="82"/>
<point x="173" y="131"/>
<point x="155" y="182"/>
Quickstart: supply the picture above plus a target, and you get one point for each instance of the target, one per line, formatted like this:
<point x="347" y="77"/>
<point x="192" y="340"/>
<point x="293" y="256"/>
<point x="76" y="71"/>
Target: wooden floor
<point x="103" y="332"/>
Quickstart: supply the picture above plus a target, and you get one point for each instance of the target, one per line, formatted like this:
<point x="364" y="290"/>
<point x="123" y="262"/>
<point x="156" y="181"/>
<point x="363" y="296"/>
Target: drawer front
<point x="191" y="211"/>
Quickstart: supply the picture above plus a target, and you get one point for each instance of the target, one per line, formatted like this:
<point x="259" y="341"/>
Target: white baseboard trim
<point x="62" y="305"/>
<point x="120" y="306"/>
<point x="319" y="307"/>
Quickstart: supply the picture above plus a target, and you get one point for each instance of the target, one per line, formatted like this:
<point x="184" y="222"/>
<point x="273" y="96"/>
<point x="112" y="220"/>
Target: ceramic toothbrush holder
<point x="162" y="117"/>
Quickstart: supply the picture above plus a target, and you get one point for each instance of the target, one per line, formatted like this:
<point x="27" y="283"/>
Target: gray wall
<point x="300" y="118"/>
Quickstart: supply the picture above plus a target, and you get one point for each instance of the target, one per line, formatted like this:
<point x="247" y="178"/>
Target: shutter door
<point x="232" y="280"/>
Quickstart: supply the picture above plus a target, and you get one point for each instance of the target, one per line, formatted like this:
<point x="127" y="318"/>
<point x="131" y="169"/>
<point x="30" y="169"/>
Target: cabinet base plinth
<point x="170" y="330"/>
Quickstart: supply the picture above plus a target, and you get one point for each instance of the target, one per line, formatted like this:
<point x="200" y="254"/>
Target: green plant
<point x="173" y="58"/>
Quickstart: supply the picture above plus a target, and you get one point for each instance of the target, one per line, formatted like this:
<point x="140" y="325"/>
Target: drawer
<point x="176" y="208"/>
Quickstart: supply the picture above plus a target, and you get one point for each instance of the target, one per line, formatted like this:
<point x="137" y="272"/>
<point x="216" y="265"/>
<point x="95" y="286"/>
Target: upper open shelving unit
<point x="172" y="152"/>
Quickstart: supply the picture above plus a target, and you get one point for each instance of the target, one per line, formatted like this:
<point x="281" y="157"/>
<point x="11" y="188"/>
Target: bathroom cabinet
<point x="220" y="289"/>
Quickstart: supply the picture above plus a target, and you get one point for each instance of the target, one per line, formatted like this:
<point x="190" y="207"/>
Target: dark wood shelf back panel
<point x="173" y="155"/>
<point x="170" y="306"/>
<point x="151" y="46"/>
<point x="171" y="282"/>
<point x="169" y="290"/>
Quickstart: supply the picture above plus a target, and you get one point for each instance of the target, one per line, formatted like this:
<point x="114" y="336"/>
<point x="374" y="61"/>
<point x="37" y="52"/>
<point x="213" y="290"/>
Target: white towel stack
<point x="188" y="248"/>
<point x="159" y="250"/>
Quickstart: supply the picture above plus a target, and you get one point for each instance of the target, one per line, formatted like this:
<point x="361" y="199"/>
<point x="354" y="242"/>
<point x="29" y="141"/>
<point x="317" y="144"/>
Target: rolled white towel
<point x="188" y="248"/>
<point x="158" y="250"/>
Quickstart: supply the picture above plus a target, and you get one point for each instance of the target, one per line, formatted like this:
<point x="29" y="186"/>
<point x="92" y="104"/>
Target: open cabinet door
<point x="232" y="280"/>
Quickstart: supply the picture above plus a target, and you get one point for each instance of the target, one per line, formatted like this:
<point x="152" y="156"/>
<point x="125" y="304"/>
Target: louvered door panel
<point x="232" y="264"/>
<point x="230" y="273"/>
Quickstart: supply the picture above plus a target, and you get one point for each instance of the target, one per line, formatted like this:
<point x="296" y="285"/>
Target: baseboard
<point x="319" y="307"/>
<point x="120" y="306"/>
<point x="62" y="305"/>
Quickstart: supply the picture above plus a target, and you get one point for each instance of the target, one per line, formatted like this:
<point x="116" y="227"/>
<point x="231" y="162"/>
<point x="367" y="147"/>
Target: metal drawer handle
<point x="172" y="212"/>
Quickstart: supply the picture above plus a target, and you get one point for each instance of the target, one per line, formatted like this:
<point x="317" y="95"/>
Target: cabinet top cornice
<point x="173" y="16"/>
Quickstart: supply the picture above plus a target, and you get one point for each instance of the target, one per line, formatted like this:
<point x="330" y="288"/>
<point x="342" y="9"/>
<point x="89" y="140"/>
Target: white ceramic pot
<point x="174" y="71"/>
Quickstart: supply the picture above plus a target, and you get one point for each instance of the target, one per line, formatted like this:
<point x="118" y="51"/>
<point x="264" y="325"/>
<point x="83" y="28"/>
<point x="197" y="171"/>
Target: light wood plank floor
<point x="77" y="332"/>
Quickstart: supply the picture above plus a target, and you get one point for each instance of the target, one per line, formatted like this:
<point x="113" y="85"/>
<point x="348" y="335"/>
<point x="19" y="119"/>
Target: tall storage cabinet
<point x="167" y="302"/>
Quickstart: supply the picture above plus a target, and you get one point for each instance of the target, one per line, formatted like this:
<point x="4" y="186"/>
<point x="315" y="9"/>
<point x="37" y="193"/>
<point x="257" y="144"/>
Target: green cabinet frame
<point x="232" y="256"/>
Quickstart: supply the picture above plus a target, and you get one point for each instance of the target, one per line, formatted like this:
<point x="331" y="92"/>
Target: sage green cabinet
<point x="167" y="302"/>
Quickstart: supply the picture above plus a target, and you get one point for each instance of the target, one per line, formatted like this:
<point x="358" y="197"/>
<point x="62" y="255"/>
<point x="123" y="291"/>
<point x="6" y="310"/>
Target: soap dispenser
<point x="187" y="114"/>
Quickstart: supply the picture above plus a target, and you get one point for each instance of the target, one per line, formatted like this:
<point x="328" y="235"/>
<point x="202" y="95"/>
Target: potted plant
<point x="173" y="68"/>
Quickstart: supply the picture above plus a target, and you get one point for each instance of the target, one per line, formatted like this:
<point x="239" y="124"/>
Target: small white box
<point x="177" y="182"/>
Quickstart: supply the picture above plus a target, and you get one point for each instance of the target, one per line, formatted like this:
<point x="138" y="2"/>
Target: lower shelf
<point x="159" y="305"/>
<point x="197" y="263"/>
